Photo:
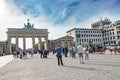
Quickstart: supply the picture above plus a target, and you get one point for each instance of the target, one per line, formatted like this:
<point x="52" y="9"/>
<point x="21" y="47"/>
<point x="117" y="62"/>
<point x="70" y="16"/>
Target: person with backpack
<point x="73" y="51"/>
<point x="58" y="51"/>
<point x="86" y="53"/>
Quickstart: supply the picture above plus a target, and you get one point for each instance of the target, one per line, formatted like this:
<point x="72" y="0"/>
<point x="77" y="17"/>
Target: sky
<point x="58" y="16"/>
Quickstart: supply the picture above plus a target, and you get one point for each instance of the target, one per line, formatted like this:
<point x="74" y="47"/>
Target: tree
<point x="36" y="47"/>
<point x="42" y="45"/>
<point x="13" y="47"/>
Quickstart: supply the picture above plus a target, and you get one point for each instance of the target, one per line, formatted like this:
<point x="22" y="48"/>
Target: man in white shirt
<point x="80" y="52"/>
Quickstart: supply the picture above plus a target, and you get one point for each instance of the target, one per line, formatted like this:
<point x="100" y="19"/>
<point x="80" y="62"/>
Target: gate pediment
<point x="27" y="32"/>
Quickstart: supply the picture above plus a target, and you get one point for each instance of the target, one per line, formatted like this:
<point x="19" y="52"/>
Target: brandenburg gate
<point x="27" y="32"/>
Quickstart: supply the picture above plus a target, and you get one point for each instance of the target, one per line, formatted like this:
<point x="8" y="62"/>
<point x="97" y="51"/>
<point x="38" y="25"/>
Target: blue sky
<point x="60" y="11"/>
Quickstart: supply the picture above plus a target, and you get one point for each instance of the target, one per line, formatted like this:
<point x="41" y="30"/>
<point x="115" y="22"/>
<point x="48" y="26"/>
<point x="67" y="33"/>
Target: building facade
<point x="102" y="33"/>
<point x="3" y="45"/>
<point x="110" y="31"/>
<point x="63" y="41"/>
<point x="109" y="35"/>
<point x="117" y="27"/>
<point x="87" y="36"/>
<point x="101" y="23"/>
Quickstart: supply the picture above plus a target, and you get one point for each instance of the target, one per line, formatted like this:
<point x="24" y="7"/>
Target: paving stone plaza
<point x="99" y="67"/>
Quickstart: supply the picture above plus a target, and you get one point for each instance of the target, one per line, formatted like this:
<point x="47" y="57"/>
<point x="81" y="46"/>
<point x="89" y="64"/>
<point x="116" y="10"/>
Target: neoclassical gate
<point x="27" y="32"/>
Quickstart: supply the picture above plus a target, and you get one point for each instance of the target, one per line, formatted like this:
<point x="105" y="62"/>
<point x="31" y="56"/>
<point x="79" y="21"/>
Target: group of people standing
<point x="43" y="53"/>
<point x="83" y="52"/>
<point x="23" y="54"/>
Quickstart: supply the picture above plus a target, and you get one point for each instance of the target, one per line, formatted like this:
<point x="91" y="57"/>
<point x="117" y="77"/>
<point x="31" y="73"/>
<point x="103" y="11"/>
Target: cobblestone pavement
<point x="99" y="67"/>
<point x="5" y="59"/>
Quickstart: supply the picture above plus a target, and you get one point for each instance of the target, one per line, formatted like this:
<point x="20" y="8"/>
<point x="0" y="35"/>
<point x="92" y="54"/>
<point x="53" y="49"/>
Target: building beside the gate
<point x="102" y="33"/>
<point x="63" y="41"/>
<point x="87" y="36"/>
<point x="3" y="45"/>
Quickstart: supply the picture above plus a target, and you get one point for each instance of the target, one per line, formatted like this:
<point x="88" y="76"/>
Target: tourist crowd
<point x="81" y="50"/>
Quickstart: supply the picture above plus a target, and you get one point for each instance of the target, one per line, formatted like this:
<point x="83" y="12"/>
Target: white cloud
<point x="2" y="7"/>
<point x="92" y="19"/>
<point x="11" y="17"/>
<point x="64" y="12"/>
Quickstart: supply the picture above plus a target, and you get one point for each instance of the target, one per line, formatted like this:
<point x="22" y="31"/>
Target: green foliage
<point x="117" y="23"/>
<point x="42" y="45"/>
<point x="36" y="47"/>
<point x="13" y="46"/>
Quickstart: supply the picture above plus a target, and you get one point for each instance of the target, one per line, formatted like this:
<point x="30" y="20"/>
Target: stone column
<point x="17" y="43"/>
<point x="1" y="48"/>
<point x="24" y="43"/>
<point x="9" y="45"/>
<point x="46" y="43"/>
<point x="40" y="43"/>
<point x="5" y="47"/>
<point x="33" y="42"/>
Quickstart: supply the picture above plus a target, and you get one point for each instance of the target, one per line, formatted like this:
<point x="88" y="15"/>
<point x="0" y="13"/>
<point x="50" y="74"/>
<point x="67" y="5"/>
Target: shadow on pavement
<point x="112" y="65"/>
<point x="75" y="67"/>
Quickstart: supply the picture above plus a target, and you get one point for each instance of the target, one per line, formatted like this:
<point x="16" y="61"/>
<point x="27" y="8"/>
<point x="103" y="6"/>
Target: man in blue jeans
<point x="87" y="53"/>
<point x="58" y="50"/>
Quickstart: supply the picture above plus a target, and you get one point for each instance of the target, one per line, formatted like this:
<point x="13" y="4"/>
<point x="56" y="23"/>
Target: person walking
<point x="14" y="54"/>
<point x="80" y="53"/>
<point x="63" y="49"/>
<point x="73" y="52"/>
<point x="86" y="53"/>
<point x="66" y="51"/>
<point x="41" y="53"/>
<point x="45" y="53"/>
<point x="53" y="51"/>
<point x="21" y="54"/>
<point x="32" y="52"/>
<point x="18" y="53"/>
<point x="58" y="50"/>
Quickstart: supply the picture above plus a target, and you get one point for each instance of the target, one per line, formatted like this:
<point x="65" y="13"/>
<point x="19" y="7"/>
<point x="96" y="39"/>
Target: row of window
<point x="118" y="32"/>
<point x="107" y="34"/>
<point x="118" y="28"/>
<point x="95" y="45"/>
<point x="85" y="35"/>
<point x="88" y="31"/>
<point x="118" y="37"/>
<point x="108" y="29"/>
<point x="109" y="38"/>
<point x="109" y="42"/>
<point x="89" y="40"/>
